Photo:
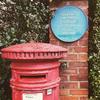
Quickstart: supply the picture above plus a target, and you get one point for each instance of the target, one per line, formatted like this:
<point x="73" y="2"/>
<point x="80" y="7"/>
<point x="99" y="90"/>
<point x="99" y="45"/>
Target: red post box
<point x="35" y="70"/>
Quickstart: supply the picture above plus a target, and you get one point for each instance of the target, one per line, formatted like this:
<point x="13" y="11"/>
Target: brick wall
<point x="74" y="78"/>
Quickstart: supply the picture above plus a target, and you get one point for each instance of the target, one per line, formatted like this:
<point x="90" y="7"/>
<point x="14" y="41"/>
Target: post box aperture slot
<point x="33" y="78"/>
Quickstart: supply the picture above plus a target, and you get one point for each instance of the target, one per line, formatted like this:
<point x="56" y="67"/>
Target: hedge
<point x="94" y="50"/>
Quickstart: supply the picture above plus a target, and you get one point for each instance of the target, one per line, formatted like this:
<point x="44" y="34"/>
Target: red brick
<point x="83" y="70"/>
<point x="83" y="42"/>
<point x="85" y="37"/>
<point x="69" y="85"/>
<point x="80" y="4"/>
<point x="79" y="92"/>
<point x="64" y="77"/>
<point x="74" y="78"/>
<point x="72" y="85"/>
<point x="71" y="57"/>
<point x="73" y="43"/>
<point x="64" y="91"/>
<point x="80" y="77"/>
<point x="71" y="71"/>
<point x="83" y="98"/>
<point x="82" y="57"/>
<point x="69" y="98"/>
<point x="63" y="44"/>
<point x="83" y="84"/>
<point x="81" y="49"/>
<point x="53" y="39"/>
<point x="68" y="71"/>
<point x="71" y="49"/>
<point x="77" y="49"/>
<point x="77" y="64"/>
<point x="83" y="77"/>
<point x="55" y="42"/>
<point x="66" y="44"/>
<point x="63" y="74"/>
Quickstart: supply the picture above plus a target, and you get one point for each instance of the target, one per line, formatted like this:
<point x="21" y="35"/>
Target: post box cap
<point x="33" y="51"/>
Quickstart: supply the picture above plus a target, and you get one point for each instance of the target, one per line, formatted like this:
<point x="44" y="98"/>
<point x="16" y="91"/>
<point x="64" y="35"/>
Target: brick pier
<point x="74" y="78"/>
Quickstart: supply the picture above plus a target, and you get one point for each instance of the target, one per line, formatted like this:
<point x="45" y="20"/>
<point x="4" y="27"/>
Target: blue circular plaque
<point x="69" y="23"/>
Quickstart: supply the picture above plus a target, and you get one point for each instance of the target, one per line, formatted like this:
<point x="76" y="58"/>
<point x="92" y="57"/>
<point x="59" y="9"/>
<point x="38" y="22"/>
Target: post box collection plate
<point x="69" y="23"/>
<point x="36" y="96"/>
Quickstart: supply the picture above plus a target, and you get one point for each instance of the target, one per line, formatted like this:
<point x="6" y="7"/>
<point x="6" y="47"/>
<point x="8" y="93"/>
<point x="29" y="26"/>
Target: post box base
<point x="51" y="93"/>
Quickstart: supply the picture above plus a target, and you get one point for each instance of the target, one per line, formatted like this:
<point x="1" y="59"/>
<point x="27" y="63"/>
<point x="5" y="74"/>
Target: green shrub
<point x="20" y="21"/>
<point x="94" y="52"/>
<point x="23" y="21"/>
